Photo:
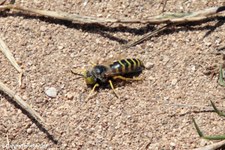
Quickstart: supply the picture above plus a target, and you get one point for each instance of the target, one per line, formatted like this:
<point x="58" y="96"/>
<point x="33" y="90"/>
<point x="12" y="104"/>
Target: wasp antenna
<point x="76" y="73"/>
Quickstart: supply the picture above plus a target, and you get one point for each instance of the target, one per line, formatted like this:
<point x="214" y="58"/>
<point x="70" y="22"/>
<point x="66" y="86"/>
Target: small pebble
<point x="43" y="28"/>
<point x="29" y="130"/>
<point x="203" y="142"/>
<point x="24" y="97"/>
<point x="208" y="44"/>
<point x="174" y="82"/>
<point x="60" y="47"/>
<point x="69" y="96"/>
<point x="166" y="98"/>
<point x="149" y="65"/>
<point x="172" y="144"/>
<point x="64" y="145"/>
<point x="51" y="92"/>
<point x="193" y="68"/>
<point x="154" y="146"/>
<point x="151" y="78"/>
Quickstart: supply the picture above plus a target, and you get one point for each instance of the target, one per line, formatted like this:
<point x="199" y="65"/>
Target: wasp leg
<point x="127" y="79"/>
<point x="111" y="84"/>
<point x="93" y="89"/>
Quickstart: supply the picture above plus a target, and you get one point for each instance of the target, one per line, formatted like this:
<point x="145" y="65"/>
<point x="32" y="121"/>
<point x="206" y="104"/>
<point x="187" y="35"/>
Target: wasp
<point x="101" y="74"/>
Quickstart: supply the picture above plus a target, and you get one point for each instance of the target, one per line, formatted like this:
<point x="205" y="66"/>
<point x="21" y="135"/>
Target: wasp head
<point x="89" y="77"/>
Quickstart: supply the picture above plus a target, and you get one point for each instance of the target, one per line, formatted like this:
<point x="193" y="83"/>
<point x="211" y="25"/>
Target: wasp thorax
<point x="99" y="72"/>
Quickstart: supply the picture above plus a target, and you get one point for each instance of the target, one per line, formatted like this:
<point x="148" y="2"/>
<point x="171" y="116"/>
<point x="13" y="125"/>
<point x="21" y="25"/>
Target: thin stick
<point x="189" y="105"/>
<point x="5" y="50"/>
<point x="145" y="37"/>
<point x="161" y="19"/>
<point x="2" y="2"/>
<point x="213" y="146"/>
<point x="22" y="103"/>
<point x="7" y="139"/>
<point x="164" y="5"/>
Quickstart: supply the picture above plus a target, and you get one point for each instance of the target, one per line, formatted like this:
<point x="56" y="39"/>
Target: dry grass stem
<point x="5" y="50"/>
<point x="160" y="19"/>
<point x="213" y="146"/>
<point x="22" y="103"/>
<point x="165" y="18"/>
<point x="145" y="37"/>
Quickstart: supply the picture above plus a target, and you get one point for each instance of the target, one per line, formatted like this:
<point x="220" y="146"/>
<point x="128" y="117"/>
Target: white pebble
<point x="29" y="130"/>
<point x="174" y="82"/>
<point x="60" y="47"/>
<point x="51" y="91"/>
<point x="193" y="68"/>
<point x="172" y="144"/>
<point x="203" y="142"/>
<point x="149" y="65"/>
<point x="43" y="28"/>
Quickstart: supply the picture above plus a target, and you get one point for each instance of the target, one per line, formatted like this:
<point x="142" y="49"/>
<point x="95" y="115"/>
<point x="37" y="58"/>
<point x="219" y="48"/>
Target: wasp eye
<point x="88" y="74"/>
<point x="98" y="71"/>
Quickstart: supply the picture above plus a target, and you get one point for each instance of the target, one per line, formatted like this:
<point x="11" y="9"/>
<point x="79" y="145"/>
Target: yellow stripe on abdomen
<point x="122" y="66"/>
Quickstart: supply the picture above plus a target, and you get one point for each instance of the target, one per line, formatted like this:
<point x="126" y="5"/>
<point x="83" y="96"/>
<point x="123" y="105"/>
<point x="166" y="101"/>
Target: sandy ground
<point x="151" y="114"/>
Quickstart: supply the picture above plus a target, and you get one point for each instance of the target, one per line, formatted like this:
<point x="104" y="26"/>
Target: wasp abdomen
<point x="125" y="66"/>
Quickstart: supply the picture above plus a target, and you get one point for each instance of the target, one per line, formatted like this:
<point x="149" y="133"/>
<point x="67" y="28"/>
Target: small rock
<point x="43" y="28"/>
<point x="166" y="98"/>
<point x="172" y="144"/>
<point x="60" y="47"/>
<point x="64" y="146"/>
<point x="24" y="97"/>
<point x="174" y="82"/>
<point x="51" y="92"/>
<point x="29" y="130"/>
<point x="99" y="15"/>
<point x="203" y="142"/>
<point x="193" y="68"/>
<point x="151" y="78"/>
<point x="69" y="96"/>
<point x="154" y="146"/>
<point x="149" y="65"/>
<point x="208" y="44"/>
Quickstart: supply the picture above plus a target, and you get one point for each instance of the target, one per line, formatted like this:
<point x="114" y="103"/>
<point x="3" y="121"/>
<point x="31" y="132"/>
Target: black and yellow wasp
<point x="101" y="74"/>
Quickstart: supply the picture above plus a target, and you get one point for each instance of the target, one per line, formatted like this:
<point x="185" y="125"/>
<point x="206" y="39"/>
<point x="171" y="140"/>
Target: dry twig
<point x="213" y="146"/>
<point x="22" y="103"/>
<point x="44" y="127"/>
<point x="161" y="19"/>
<point x="166" y="18"/>
<point x="5" y="50"/>
<point x="164" y="5"/>
<point x="145" y="37"/>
